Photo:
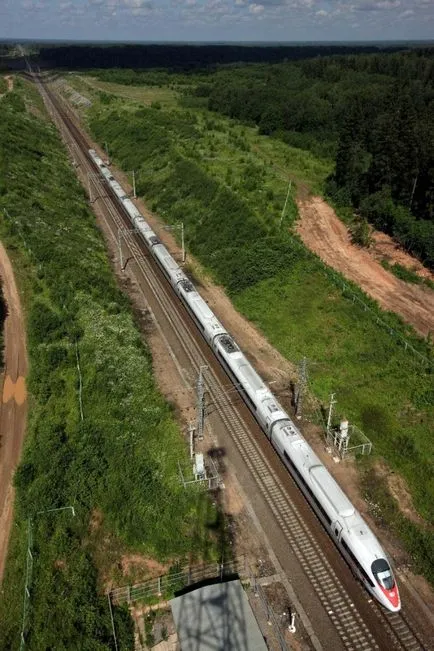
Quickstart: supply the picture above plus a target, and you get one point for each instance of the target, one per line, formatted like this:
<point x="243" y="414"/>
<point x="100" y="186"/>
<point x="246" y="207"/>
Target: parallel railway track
<point x="359" y="623"/>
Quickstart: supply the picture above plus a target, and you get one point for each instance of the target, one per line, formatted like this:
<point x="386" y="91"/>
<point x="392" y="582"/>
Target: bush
<point x="361" y="233"/>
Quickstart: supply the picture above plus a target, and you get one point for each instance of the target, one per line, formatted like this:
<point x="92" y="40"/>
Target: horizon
<point x="211" y="21"/>
<point x="218" y="42"/>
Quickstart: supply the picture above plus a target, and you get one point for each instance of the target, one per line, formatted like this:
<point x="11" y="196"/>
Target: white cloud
<point x="376" y="5"/>
<point x="256" y="9"/>
<point x="321" y="12"/>
<point x="406" y="14"/>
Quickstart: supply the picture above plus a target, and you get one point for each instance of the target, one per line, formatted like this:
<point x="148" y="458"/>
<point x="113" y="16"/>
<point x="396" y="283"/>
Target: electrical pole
<point x="301" y="387"/>
<point x="200" y="403"/>
<point x="89" y="186"/>
<point x="284" y="206"/>
<point x="121" y="261"/>
<point x="179" y="225"/>
<point x="29" y="569"/>
<point x="182" y="241"/>
<point x="134" y="183"/>
<point x="121" y="233"/>
<point x="191" y="437"/>
<point x="331" y="405"/>
<point x="413" y="190"/>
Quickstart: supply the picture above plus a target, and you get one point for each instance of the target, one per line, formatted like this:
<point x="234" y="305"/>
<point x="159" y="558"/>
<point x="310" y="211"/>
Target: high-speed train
<point x="343" y="522"/>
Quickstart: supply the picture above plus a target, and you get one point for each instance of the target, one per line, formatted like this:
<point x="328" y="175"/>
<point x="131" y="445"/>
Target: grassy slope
<point x="379" y="386"/>
<point x="121" y="461"/>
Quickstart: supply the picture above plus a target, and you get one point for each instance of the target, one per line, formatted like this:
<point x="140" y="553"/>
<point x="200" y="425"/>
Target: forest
<point x="372" y="114"/>
<point x="186" y="56"/>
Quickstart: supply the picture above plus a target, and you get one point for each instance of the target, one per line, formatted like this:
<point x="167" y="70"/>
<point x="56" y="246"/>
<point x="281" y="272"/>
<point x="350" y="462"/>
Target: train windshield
<point x="383" y="574"/>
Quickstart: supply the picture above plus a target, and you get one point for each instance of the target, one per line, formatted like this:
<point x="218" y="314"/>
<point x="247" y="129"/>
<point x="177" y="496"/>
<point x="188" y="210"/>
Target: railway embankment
<point x="90" y="443"/>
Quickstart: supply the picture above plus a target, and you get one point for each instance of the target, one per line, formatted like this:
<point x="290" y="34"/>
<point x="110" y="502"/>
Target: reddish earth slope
<point x="324" y="233"/>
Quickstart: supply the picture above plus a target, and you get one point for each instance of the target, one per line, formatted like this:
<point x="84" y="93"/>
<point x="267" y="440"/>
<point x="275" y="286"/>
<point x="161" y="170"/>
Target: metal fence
<point x="355" y="443"/>
<point x="164" y="587"/>
<point x="271" y="616"/>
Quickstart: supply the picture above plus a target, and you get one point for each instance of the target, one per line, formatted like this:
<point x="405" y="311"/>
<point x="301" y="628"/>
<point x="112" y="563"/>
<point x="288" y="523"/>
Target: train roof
<point x="199" y="304"/>
<point x="249" y="375"/>
<point x="325" y="484"/>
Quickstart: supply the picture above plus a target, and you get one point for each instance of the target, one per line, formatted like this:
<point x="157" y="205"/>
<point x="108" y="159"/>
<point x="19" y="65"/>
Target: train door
<point x="267" y="427"/>
<point x="337" y="530"/>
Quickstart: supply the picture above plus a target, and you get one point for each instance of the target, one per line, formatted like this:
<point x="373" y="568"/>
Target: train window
<point x="383" y="575"/>
<point x="320" y="508"/>
<point x="365" y="575"/>
<point x="272" y="408"/>
<point x="187" y="286"/>
<point x="301" y="480"/>
<point x="228" y="344"/>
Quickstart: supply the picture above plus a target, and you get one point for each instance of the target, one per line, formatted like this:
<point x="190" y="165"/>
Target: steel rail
<point x="349" y="624"/>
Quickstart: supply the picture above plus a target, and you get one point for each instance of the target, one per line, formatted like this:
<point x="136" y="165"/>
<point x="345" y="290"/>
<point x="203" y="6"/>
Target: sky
<point x="218" y="20"/>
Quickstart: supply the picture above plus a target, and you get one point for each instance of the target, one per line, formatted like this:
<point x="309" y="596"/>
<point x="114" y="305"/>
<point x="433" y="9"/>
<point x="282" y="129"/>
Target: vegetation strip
<point x="233" y="228"/>
<point x="117" y="467"/>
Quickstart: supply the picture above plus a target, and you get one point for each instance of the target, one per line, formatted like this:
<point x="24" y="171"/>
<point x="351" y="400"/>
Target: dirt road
<point x="10" y="83"/>
<point x="13" y="405"/>
<point x="323" y="232"/>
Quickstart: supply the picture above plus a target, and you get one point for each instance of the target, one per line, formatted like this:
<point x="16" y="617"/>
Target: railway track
<point x="355" y="630"/>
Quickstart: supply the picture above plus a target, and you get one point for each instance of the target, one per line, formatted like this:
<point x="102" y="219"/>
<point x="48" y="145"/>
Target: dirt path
<point x="10" y="82"/>
<point x="323" y="232"/>
<point x="13" y="405"/>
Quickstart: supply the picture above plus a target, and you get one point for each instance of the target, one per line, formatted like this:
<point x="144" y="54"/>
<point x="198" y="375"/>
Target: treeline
<point x="373" y="114"/>
<point x="115" y="458"/>
<point x="186" y="57"/>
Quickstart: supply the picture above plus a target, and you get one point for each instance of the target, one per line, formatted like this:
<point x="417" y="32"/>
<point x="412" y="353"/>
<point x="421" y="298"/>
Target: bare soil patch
<point x="14" y="390"/>
<point x="324" y="233"/>
<point x="132" y="563"/>
<point x="385" y="248"/>
<point x="13" y="406"/>
<point x="398" y="489"/>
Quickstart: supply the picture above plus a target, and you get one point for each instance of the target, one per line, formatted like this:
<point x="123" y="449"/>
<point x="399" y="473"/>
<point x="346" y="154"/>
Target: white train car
<point x="258" y="396"/>
<point x="116" y="187"/>
<point x="205" y="318"/>
<point x="347" y="528"/>
<point x="171" y="269"/>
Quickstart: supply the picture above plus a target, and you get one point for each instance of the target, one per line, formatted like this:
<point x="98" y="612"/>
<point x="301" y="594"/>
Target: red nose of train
<point x="392" y="598"/>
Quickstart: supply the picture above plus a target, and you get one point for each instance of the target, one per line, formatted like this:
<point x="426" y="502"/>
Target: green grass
<point x="402" y="272"/>
<point x="121" y="459"/>
<point x="206" y="170"/>
<point x="419" y="541"/>
<point x="144" y="95"/>
<point x="407" y="275"/>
